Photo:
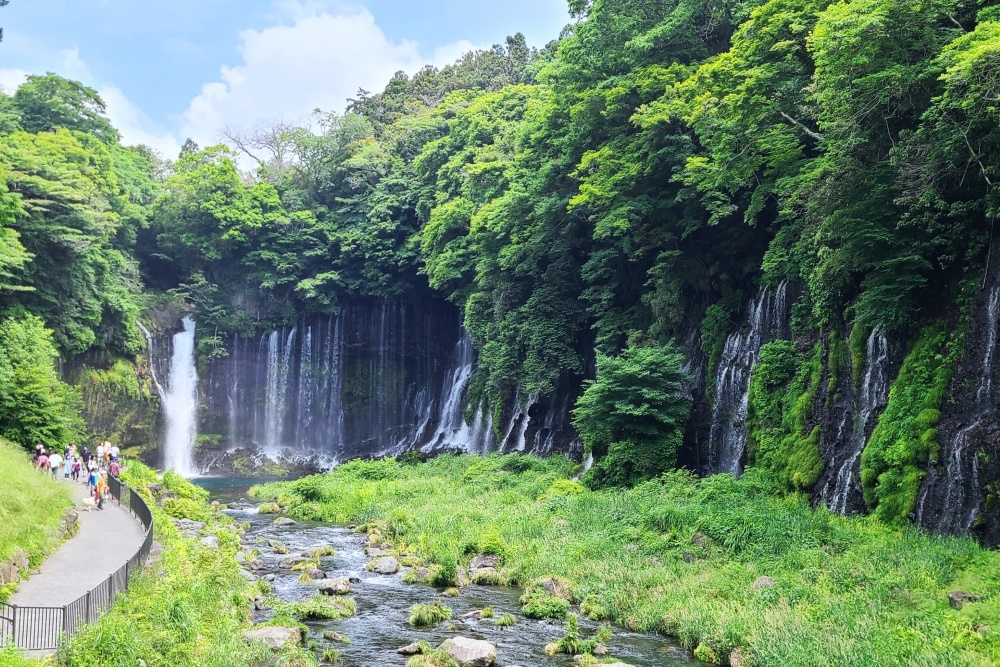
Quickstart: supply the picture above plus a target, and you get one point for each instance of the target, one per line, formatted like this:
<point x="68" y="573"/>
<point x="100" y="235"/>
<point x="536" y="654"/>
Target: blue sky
<point x="176" y="68"/>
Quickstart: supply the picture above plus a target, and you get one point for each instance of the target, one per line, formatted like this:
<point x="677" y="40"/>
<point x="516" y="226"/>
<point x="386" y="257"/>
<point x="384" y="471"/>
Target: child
<point x="76" y="468"/>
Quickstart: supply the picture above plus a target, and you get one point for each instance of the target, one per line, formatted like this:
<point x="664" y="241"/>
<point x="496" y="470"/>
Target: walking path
<point x="106" y="540"/>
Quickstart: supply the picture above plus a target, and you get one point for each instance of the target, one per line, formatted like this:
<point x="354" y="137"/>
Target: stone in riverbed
<point x="410" y="649"/>
<point x="332" y="636"/>
<point x="274" y="636"/>
<point x="481" y="561"/>
<point x="374" y="552"/>
<point x="315" y="573"/>
<point x="384" y="565"/>
<point x="957" y="599"/>
<point x="290" y="562"/>
<point x="284" y="521"/>
<point x="470" y="652"/>
<point x="338" y="586"/>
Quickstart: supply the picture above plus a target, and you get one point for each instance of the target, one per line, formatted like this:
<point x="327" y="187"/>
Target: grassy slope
<point x="848" y="591"/>
<point x="31" y="508"/>
<point x="189" y="609"/>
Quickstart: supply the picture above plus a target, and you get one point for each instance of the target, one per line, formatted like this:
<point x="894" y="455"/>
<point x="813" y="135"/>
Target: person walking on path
<point x="55" y="464"/>
<point x="100" y="454"/>
<point x="86" y="458"/>
<point x="92" y="481"/>
<point x="114" y="468"/>
<point x="101" y="490"/>
<point x="68" y="465"/>
<point x="42" y="462"/>
<point x="76" y="468"/>
<point x="114" y="451"/>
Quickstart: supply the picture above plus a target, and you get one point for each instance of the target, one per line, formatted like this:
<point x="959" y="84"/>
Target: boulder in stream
<point x="315" y="573"/>
<point x="284" y="521"/>
<point x="338" y="586"/>
<point x="274" y="636"/>
<point x="411" y="649"/>
<point x="470" y="652"/>
<point x="384" y="565"/>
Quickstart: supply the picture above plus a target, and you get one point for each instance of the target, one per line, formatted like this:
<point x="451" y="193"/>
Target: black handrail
<point x="44" y="628"/>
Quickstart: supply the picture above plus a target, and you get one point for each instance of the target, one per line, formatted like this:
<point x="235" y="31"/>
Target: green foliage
<point x="905" y="439"/>
<point x="35" y="405"/>
<point x="782" y="436"/>
<point x="506" y="620"/>
<point x="543" y="605"/>
<point x="423" y="615"/>
<point x="319" y="608"/>
<point x="632" y="416"/>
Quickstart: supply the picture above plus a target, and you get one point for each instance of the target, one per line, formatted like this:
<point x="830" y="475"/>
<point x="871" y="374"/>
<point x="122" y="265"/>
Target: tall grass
<point x="680" y="555"/>
<point x="31" y="509"/>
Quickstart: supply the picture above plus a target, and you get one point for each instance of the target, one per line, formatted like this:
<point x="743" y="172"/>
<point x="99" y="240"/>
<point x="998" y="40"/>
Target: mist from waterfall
<point x="180" y="404"/>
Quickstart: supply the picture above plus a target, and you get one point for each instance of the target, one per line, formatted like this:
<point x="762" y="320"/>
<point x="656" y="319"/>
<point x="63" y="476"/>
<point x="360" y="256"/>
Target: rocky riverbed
<point x="380" y="627"/>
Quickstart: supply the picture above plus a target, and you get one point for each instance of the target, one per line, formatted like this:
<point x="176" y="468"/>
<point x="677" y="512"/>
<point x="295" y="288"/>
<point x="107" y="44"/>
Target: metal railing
<point x="44" y="628"/>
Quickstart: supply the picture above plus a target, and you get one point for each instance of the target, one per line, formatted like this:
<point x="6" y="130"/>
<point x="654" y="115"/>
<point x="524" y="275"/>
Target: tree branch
<point x="812" y="133"/>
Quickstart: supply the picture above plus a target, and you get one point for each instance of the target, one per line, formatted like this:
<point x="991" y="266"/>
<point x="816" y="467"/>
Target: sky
<point x="175" y="69"/>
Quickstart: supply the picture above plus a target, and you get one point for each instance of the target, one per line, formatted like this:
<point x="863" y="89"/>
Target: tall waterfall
<point x="766" y="321"/>
<point x="868" y="404"/>
<point x="952" y="495"/>
<point x="180" y="404"/>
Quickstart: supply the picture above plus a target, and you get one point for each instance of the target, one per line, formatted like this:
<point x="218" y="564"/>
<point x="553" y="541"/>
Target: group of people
<point x="94" y="467"/>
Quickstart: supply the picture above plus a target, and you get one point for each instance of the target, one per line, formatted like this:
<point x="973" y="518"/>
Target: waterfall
<point x="767" y="320"/>
<point x="868" y="405"/>
<point x="452" y="428"/>
<point x="378" y="378"/>
<point x="957" y="490"/>
<point x="180" y="404"/>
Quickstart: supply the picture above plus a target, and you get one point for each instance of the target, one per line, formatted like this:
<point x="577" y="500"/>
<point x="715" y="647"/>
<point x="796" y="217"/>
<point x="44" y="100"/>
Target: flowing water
<point x="954" y="487"/>
<point x="383" y="605"/>
<point x="766" y="321"/>
<point x="179" y="399"/>
<point x="868" y="404"/>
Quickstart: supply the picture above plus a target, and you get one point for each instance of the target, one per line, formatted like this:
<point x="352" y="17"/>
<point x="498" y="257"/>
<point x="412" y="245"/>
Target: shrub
<point x="319" y="608"/>
<point x="269" y="508"/>
<point x="506" y="621"/>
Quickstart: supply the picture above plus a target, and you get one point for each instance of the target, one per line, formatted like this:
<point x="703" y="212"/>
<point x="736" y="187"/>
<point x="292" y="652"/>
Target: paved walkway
<point x="107" y="539"/>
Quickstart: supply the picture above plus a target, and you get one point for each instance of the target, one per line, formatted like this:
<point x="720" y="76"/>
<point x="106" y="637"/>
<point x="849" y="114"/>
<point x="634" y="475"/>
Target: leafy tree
<point x="632" y="416"/>
<point x="46" y="102"/>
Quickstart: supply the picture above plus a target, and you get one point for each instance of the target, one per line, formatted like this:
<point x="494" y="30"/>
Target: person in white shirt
<point x="100" y="452"/>
<point x="55" y="462"/>
<point x="114" y="452"/>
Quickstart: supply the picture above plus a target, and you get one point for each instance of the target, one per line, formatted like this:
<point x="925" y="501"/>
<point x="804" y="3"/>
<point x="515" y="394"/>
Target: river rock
<point x="332" y="636"/>
<point x="385" y="565"/>
<point x="763" y="582"/>
<point x="375" y="552"/>
<point x="410" y="649"/>
<point x="470" y="652"/>
<point x="957" y="599"/>
<point x="284" y="521"/>
<point x="274" y="636"/>
<point x="257" y="564"/>
<point x="338" y="586"/>
<point x="315" y="573"/>
<point x="259" y="603"/>
<point x="290" y="562"/>
<point x="211" y="541"/>
<point x="481" y="561"/>
<point x="354" y="580"/>
<point x="249" y="576"/>
<point x="268" y="577"/>
<point x="600" y="651"/>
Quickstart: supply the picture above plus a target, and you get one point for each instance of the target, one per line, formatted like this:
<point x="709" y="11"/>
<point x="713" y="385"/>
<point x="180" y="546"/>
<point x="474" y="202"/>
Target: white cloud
<point x="135" y="126"/>
<point x="67" y="63"/>
<point x="314" y="59"/>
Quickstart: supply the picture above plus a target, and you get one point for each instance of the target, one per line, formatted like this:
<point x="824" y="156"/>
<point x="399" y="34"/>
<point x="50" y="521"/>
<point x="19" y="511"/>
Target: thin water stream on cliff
<point x="381" y="625"/>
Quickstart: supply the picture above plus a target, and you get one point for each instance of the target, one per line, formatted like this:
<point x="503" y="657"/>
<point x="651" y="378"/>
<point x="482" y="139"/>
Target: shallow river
<point x="383" y="604"/>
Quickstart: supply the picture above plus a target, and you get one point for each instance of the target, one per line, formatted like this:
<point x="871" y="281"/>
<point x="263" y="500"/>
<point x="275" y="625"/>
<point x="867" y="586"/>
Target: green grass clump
<point x="506" y="621"/>
<point x="31" y="509"/>
<point x="593" y="608"/>
<point x="434" y="658"/>
<point x="269" y="508"/>
<point x="571" y="643"/>
<point x="331" y="655"/>
<point x="423" y="615"/>
<point x="853" y="591"/>
<point x="319" y="608"/>
<point x="189" y="609"/>
<point x="543" y="605"/>
<point x="488" y="612"/>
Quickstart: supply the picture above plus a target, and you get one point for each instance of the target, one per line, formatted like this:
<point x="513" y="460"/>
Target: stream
<point x="381" y="624"/>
